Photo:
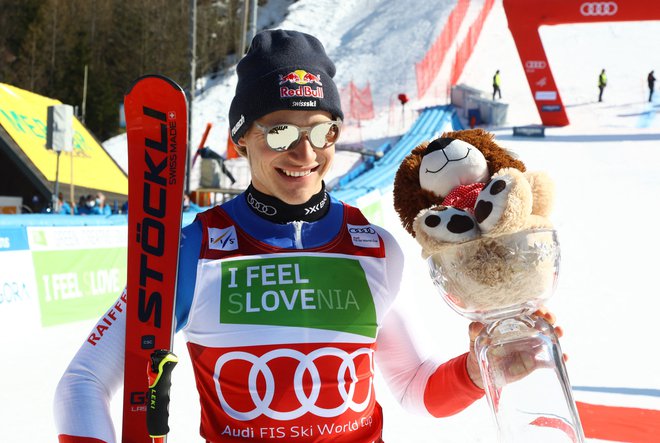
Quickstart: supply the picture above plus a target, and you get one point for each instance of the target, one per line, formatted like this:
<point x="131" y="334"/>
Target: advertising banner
<point x="24" y="116"/>
<point x="79" y="271"/>
<point x="18" y="293"/>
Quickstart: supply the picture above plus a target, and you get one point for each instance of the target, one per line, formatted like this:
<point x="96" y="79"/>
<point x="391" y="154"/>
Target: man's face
<point x="294" y="175"/>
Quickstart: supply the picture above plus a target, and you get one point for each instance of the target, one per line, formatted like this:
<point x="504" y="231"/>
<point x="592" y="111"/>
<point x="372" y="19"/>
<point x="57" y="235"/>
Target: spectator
<point x="100" y="207"/>
<point x="496" y="84"/>
<point x="602" y="82"/>
<point x="189" y="205"/>
<point x="651" y="80"/>
<point x="63" y="207"/>
<point x="86" y="205"/>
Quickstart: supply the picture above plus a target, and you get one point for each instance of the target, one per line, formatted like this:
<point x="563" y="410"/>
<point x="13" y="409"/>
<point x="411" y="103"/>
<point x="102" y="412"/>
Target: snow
<point x="605" y="164"/>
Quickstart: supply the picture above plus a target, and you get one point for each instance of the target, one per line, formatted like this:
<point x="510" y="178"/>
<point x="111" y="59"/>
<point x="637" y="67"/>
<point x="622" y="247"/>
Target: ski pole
<point x="159" y="371"/>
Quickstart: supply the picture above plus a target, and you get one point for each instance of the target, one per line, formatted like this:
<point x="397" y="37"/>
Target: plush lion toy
<point x="462" y="186"/>
<point x="482" y="220"/>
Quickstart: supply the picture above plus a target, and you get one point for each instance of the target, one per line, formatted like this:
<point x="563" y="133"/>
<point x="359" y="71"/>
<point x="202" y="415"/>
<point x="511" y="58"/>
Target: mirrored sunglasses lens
<point x="281" y="137"/>
<point x="324" y="134"/>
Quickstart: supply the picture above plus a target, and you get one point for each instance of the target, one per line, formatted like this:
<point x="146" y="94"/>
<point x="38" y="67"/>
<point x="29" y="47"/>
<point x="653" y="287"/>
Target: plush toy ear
<point x="409" y="197"/>
<point x="497" y="156"/>
<point x="543" y="189"/>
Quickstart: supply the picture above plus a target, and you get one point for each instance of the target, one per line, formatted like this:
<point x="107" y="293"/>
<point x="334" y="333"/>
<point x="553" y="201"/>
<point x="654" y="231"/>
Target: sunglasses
<point x="284" y="136"/>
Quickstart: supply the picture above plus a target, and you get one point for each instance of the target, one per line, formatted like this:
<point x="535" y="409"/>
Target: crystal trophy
<point x="500" y="282"/>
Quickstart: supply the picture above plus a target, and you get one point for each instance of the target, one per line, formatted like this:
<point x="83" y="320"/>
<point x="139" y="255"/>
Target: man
<point x="496" y="84"/>
<point x="285" y="294"/>
<point x="602" y="82"/>
<point x="651" y="81"/>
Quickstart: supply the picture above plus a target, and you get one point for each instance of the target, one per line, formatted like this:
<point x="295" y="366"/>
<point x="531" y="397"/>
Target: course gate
<point x="526" y="16"/>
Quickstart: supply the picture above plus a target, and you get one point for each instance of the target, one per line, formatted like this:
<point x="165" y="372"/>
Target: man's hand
<point x="517" y="364"/>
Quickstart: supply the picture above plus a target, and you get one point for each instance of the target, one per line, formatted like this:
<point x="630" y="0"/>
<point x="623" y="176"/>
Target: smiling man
<point x="285" y="295"/>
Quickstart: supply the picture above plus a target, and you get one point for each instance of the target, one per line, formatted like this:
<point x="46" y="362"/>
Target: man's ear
<point x="241" y="147"/>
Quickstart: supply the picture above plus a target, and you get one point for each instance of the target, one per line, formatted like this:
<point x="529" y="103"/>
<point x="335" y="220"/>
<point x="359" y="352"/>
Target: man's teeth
<point x="296" y="173"/>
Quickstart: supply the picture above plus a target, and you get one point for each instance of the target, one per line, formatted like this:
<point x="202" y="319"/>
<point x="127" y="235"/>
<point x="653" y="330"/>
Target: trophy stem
<point x="526" y="381"/>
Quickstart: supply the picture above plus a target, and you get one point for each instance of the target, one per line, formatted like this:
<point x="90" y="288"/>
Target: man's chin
<point x="296" y="197"/>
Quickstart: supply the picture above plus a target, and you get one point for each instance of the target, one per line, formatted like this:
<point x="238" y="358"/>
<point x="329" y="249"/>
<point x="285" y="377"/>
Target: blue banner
<point x="13" y="238"/>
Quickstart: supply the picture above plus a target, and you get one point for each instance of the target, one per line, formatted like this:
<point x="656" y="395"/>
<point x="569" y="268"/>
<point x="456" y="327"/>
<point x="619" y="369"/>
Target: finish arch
<point x="526" y="16"/>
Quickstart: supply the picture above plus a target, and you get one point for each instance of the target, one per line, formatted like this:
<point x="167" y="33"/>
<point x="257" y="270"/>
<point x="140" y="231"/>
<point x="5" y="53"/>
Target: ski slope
<point x="606" y="165"/>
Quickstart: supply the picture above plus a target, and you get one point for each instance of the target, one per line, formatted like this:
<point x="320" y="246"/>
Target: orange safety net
<point x="429" y="67"/>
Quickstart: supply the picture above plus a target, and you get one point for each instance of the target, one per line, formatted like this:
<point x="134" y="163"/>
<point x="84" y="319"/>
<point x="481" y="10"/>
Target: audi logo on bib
<point x="284" y="384"/>
<point x="598" y="8"/>
<point x="362" y="230"/>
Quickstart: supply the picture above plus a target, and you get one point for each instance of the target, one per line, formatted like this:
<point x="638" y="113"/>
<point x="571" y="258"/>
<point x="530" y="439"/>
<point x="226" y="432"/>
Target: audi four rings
<point x="261" y="207"/>
<point x="535" y="64"/>
<point x="598" y="8"/>
<point x="259" y="365"/>
<point x="365" y="230"/>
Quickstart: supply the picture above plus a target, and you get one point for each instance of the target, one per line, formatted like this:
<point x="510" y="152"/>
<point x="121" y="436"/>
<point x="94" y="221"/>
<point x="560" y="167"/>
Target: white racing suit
<point x="284" y="324"/>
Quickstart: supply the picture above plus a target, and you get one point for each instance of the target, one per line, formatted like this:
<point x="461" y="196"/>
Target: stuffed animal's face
<point x="433" y="169"/>
<point x="446" y="191"/>
<point x="469" y="204"/>
<point x="462" y="195"/>
<point x="448" y="162"/>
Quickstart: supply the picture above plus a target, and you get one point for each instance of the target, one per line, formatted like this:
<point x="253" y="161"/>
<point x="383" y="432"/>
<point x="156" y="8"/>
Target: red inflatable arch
<point x="525" y="17"/>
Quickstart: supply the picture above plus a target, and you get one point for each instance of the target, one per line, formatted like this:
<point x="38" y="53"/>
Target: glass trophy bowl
<point x="493" y="278"/>
<point x="501" y="281"/>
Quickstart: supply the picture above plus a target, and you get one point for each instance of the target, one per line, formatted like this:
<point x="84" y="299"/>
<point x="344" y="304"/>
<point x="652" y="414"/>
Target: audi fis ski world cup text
<point x="364" y="236"/>
<point x="281" y="432"/>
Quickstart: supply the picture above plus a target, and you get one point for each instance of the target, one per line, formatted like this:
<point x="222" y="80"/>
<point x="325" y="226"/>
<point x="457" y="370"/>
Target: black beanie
<point x="282" y="70"/>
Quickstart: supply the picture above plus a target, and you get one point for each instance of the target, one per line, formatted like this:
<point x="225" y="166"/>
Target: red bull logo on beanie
<point x="300" y="77"/>
<point x="302" y="80"/>
<point x="303" y="91"/>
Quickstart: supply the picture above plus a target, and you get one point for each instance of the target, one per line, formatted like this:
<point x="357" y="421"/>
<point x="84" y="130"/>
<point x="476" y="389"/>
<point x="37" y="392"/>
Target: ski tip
<point x="168" y="80"/>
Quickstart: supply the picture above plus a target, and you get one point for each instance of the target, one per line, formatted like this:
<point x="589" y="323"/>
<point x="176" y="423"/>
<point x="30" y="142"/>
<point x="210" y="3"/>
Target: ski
<point x="157" y="126"/>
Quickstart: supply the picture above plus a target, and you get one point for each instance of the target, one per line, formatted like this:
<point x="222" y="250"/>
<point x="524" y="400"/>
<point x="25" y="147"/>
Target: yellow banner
<point x="23" y="114"/>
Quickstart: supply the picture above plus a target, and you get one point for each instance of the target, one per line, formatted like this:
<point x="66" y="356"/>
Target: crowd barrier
<point x="58" y="269"/>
